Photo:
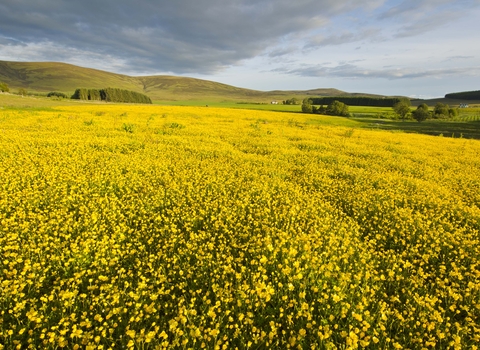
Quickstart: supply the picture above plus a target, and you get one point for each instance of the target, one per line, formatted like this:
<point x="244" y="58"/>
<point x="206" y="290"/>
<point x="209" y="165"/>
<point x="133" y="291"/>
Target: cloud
<point x="457" y="58"/>
<point x="343" y="38"/>
<point x="416" y="17"/>
<point x="427" y="23"/>
<point x="351" y="71"/>
<point x="178" y="36"/>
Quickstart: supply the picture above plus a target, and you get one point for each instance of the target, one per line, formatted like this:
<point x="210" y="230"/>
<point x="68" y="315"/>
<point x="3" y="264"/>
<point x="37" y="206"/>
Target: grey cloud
<point x="278" y="52"/>
<point x="180" y="36"/>
<point x="419" y="16"/>
<point x="416" y="8"/>
<point x="426" y="24"/>
<point x="352" y="71"/>
<point x="343" y="38"/>
<point x="456" y="58"/>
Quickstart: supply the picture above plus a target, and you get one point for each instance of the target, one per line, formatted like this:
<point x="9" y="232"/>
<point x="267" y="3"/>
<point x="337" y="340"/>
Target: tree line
<point x="440" y="111"/>
<point x="111" y="95"/>
<point x="359" y="100"/>
<point x="465" y="95"/>
<point x="335" y="107"/>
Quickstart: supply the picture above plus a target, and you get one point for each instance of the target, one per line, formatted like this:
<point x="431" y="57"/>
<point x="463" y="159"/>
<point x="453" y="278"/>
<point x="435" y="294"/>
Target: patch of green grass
<point x="335" y="121"/>
<point x="233" y="104"/>
<point x="446" y="128"/>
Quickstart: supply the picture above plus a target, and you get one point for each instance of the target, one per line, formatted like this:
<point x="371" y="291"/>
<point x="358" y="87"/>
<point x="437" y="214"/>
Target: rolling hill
<point x="43" y="77"/>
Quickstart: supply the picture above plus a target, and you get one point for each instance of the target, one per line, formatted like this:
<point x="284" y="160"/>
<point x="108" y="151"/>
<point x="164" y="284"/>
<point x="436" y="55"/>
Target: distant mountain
<point x="43" y="77"/>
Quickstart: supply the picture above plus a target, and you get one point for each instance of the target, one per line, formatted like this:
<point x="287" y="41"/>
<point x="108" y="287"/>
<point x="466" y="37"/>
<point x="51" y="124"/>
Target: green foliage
<point x="125" y="96"/>
<point x="359" y="100"/>
<point x="307" y="106"/>
<point x="292" y="101"/>
<point x="4" y="87"/>
<point x="127" y="127"/>
<point x="402" y="108"/>
<point x="453" y="112"/>
<point x="176" y="126"/>
<point x="443" y="111"/>
<point x="80" y="94"/>
<point x="465" y="95"/>
<point x="94" y="95"/>
<point x="440" y="111"/>
<point x="22" y="92"/>
<point x="421" y="113"/>
<point x="57" y="94"/>
<point x="111" y="95"/>
<point x="337" y="108"/>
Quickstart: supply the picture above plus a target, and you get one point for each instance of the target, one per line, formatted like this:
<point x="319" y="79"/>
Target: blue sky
<point x="418" y="48"/>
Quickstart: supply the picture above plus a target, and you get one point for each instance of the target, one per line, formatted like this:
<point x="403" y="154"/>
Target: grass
<point x="465" y="125"/>
<point x="456" y="129"/>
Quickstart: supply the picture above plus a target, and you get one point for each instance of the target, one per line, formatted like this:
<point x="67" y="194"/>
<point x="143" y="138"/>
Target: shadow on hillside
<point x="456" y="129"/>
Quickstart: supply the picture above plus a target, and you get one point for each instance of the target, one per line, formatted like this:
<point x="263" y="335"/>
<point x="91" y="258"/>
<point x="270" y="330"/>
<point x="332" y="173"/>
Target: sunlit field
<point x="156" y="227"/>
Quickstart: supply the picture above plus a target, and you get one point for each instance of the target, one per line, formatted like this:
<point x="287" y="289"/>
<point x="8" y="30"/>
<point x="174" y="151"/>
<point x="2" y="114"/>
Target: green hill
<point x="43" y="77"/>
<point x="52" y="76"/>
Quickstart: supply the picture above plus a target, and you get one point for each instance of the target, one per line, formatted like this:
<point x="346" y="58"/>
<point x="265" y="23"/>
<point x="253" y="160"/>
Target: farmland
<point x="145" y="227"/>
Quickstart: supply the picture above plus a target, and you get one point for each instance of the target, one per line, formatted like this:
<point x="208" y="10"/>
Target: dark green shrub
<point x="57" y="94"/>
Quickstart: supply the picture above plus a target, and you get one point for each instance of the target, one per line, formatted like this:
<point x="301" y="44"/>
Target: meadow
<point x="180" y="227"/>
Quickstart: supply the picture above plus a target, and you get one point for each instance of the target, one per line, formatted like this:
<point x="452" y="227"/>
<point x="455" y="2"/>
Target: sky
<point x="416" y="48"/>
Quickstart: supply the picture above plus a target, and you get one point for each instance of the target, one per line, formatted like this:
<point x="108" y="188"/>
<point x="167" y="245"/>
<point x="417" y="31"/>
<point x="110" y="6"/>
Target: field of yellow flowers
<point x="153" y="227"/>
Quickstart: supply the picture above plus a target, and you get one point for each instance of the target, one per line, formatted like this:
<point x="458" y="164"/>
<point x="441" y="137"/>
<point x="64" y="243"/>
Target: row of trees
<point x="292" y="101"/>
<point x="111" y="95"/>
<point x="402" y="109"/>
<point x="334" y="108"/>
<point x="359" y="100"/>
<point x="465" y="95"/>
<point x="440" y="111"/>
<point x="108" y="94"/>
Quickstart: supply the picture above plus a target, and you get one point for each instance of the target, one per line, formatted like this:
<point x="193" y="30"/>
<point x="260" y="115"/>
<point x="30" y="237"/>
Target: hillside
<point x="53" y="76"/>
<point x="43" y="77"/>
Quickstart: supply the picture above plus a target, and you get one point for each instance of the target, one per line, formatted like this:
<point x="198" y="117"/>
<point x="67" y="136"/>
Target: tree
<point x="22" y="92"/>
<point x="441" y="111"/>
<point x="453" y="112"/>
<point x="4" y="87"/>
<point x="421" y="113"/>
<point x="57" y="94"/>
<point x="292" y="101"/>
<point x="337" y="108"/>
<point x="307" y="106"/>
<point x="402" y="108"/>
